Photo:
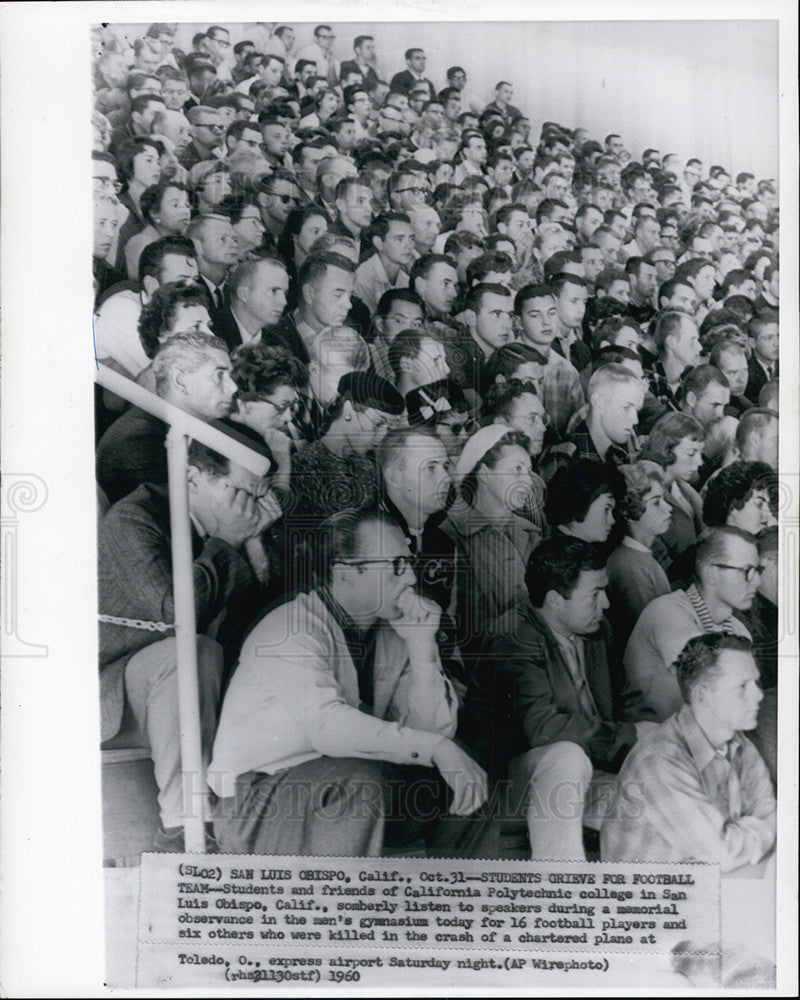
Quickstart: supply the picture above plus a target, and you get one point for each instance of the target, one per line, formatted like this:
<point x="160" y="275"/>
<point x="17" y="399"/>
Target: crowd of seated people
<point x="516" y="391"/>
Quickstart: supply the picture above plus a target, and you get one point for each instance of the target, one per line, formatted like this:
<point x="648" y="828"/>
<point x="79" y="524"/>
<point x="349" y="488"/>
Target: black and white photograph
<point x="424" y="592"/>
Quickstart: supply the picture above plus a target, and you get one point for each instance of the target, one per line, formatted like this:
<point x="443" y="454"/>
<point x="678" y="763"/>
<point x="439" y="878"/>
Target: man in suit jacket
<point x="258" y="291"/>
<point x="405" y="81"/>
<point x="339" y="696"/>
<point x="557" y="708"/>
<point x="138" y="681"/>
<point x="762" y="365"/>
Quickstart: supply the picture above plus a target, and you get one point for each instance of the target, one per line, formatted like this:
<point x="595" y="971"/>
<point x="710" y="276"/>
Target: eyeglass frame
<point x="748" y="572"/>
<point x="399" y="563"/>
<point x="108" y="182"/>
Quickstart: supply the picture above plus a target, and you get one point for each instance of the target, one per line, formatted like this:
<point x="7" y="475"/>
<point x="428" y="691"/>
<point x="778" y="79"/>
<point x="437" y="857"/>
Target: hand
<point x="417" y="621"/>
<point x="271" y="510"/>
<point x="466" y="778"/>
<point x="238" y="516"/>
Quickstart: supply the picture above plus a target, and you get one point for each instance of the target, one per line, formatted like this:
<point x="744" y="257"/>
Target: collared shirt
<point x="360" y="643"/>
<point x="700" y="606"/>
<point x="660" y="387"/>
<point x="571" y="647"/>
<point x="372" y="281"/>
<point x="691" y="802"/>
<point x="247" y="337"/>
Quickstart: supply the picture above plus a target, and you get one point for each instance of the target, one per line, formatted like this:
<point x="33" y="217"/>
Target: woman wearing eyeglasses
<point x="494" y="482"/>
<point x="269" y="382"/>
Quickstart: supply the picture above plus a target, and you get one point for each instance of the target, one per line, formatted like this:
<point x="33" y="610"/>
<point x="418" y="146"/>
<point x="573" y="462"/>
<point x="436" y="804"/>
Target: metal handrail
<point x="182" y="427"/>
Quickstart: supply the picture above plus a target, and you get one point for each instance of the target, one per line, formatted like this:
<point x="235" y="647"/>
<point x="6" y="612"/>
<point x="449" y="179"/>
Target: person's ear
<point x="691" y="399"/>
<point x="553" y="600"/>
<point x="377" y="242"/>
<point x="469" y="318"/>
<point x="193" y="479"/>
<point x="149" y="285"/>
<point x="348" y="411"/>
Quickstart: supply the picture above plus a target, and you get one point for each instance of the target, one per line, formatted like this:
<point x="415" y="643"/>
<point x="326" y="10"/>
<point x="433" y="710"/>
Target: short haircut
<point x="528" y="292"/>
<point x="500" y="398"/>
<point x="608" y="377"/>
<point x="698" y="661"/>
<point x="667" y="432"/>
<point x="392" y="295"/>
<point x="560" y="281"/>
<point x="247" y="272"/>
<point x="422" y="268"/>
<point x="407" y="344"/>
<point x="381" y="224"/>
<point x="713" y="545"/>
<point x="359" y="40"/>
<point x="731" y="488"/>
<point x="753" y="421"/>
<point x="410" y="52"/>
<point x="610" y="328"/>
<point x="129" y="150"/>
<point x="316" y="266"/>
<point x="491" y="261"/>
<point x="766" y="317"/>
<point x="185" y="351"/>
<point x="159" y="311"/>
<point x="478" y="292"/>
<point x="668" y="324"/>
<point x="152" y="257"/>
<point x="341" y="340"/>
<point x="338" y="538"/>
<point x="201" y="457"/>
<point x="392" y="449"/>
<point x="699" y="378"/>
<point x="557" y="563"/>
<point x="258" y="370"/>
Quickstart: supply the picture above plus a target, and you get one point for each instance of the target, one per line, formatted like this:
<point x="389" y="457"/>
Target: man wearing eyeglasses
<point x="277" y="195"/>
<point x="208" y="129"/>
<point x="320" y="51"/>
<point x="726" y="577"/>
<point x="336" y="731"/>
<point x="218" y="45"/>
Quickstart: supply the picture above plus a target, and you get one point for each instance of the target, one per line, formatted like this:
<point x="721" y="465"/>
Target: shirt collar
<point x="703" y="753"/>
<point x="633" y="543"/>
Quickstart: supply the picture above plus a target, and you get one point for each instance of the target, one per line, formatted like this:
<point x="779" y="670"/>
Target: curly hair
<point x="575" y="487"/>
<point x="639" y="478"/>
<point x="699" y="658"/>
<point x="159" y="313"/>
<point x="258" y="370"/>
<point x="732" y="487"/>
<point x="557" y="563"/>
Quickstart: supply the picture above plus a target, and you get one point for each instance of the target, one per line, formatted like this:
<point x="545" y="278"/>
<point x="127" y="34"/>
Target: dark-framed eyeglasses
<point x="108" y="182"/>
<point x="281" y="408"/>
<point x="399" y="564"/>
<point x="748" y="572"/>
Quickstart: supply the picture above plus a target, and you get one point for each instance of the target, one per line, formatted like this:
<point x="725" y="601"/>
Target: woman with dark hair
<point x="676" y="445"/>
<point x="494" y="482"/>
<point x="138" y="168"/>
<point x="165" y="209"/>
<point x="303" y="228"/>
<point x="177" y="307"/>
<point x="582" y="498"/>
<point x="634" y="576"/>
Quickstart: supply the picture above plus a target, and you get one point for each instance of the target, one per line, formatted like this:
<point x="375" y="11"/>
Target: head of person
<point x="365" y="406"/>
<point x="174" y="126"/>
<point x="393" y="237"/>
<point x="729" y="356"/>
<point x="302" y="229"/>
<point x="705" y="393"/>
<point x="643" y="507"/>
<point x="718" y="677"/>
<point x="269" y="380"/>
<point x="425" y="225"/>
<point x="617" y="331"/>
<point x="676" y="338"/>
<point x="354" y="202"/>
<point x="741" y="495"/>
<point x="259" y="287"/>
<point x="763" y="331"/>
<point x="701" y="274"/>
<point x="615" y="397"/>
<point x="757" y="436"/>
<point x="335" y="351"/>
<point x="642" y="276"/>
<point x="494" y="469"/>
<point x="211" y="477"/>
<point x="489" y="316"/>
<point x="513" y="221"/>
<point x="417" y="357"/>
<point x="362" y="557"/>
<point x="516" y="404"/>
<point x="582" y="498"/>
<point x="727" y="567"/>
<point x="138" y="162"/>
<point x="214" y="239"/>
<point x="675" y="443"/>
<point x="106" y="216"/>
<point x="277" y="195"/>
<point x="398" y="309"/>
<point x="193" y="371"/>
<point x="536" y="307"/>
<point x="435" y="279"/>
<point x="209" y="183"/>
<point x="571" y="294"/>
<point x="165" y="260"/>
<point x="415" y="470"/>
<point x="174" y="308"/>
<point x="326" y="282"/>
<point x="166" y="207"/>
<point x="566" y="582"/>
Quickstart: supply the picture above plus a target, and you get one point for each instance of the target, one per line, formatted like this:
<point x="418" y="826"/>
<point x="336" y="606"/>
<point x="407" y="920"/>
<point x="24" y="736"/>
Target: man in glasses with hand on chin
<point x="336" y="731"/>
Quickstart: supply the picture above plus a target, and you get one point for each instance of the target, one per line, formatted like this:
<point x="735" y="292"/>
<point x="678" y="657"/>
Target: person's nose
<point x="603" y="601"/>
<point x="230" y="386"/>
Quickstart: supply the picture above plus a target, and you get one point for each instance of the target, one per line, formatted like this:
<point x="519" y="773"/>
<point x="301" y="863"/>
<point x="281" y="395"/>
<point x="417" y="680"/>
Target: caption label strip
<point x="243" y="920"/>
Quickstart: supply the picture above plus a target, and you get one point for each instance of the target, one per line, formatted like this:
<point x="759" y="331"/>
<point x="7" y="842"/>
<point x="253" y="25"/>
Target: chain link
<point x="136" y="623"/>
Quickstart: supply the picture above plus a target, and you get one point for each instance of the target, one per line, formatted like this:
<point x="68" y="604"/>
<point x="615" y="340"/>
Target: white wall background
<point x="695" y="88"/>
